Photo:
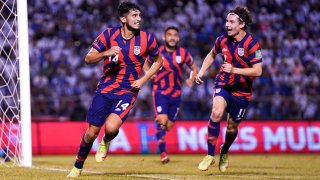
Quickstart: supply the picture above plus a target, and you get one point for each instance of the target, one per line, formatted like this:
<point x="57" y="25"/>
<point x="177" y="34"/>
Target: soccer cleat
<point x="102" y="151"/>
<point x="75" y="172"/>
<point x="164" y="158"/>
<point x="223" y="161"/>
<point x="206" y="162"/>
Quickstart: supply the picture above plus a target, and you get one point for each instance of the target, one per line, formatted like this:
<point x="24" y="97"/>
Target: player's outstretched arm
<point x="205" y="65"/>
<point x="95" y="56"/>
<point x="149" y="73"/>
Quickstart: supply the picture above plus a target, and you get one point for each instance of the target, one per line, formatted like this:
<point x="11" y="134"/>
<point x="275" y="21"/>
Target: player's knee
<point x="111" y="130"/>
<point x="111" y="133"/>
<point x="232" y="128"/>
<point x="216" y="115"/>
<point x="90" y="136"/>
<point x="169" y="126"/>
<point x="92" y="133"/>
<point x="162" y="121"/>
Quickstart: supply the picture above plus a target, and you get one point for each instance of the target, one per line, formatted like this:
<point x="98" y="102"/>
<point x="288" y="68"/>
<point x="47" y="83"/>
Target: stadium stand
<point x="289" y="33"/>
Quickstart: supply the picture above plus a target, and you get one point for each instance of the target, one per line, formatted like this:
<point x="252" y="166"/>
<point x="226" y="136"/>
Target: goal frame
<point x="24" y="81"/>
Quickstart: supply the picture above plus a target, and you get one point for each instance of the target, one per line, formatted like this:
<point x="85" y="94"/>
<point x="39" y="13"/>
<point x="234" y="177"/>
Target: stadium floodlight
<point x="15" y="113"/>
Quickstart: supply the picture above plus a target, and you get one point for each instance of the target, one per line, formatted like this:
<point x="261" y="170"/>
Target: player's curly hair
<point x="125" y="7"/>
<point x="243" y="15"/>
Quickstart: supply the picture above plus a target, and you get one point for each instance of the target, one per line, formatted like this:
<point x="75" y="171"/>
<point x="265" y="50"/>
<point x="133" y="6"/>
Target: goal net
<point x="15" y="129"/>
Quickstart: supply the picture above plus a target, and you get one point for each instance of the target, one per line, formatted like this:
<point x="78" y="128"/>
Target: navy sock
<point x="161" y="134"/>
<point x="83" y="153"/>
<point x="230" y="137"/>
<point x="213" y="134"/>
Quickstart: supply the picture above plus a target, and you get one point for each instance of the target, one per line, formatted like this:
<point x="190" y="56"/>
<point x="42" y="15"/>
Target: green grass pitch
<point x="258" y="166"/>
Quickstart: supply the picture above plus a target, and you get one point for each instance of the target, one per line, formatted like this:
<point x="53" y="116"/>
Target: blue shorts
<point x="102" y="106"/>
<point x="236" y="105"/>
<point x="166" y="105"/>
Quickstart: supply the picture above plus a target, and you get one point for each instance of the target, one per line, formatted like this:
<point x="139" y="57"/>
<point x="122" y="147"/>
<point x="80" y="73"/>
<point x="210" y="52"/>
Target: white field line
<point x="64" y="170"/>
<point x="159" y="176"/>
<point x="155" y="176"/>
<point x="100" y="172"/>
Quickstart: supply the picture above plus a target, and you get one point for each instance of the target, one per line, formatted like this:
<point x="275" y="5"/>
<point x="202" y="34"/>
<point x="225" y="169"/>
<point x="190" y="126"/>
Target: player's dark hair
<point x="243" y="15"/>
<point x="125" y="7"/>
<point x="171" y="27"/>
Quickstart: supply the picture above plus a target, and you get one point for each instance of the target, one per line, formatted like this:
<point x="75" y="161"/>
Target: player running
<point x="167" y="84"/>
<point x="233" y="83"/>
<point x="123" y="50"/>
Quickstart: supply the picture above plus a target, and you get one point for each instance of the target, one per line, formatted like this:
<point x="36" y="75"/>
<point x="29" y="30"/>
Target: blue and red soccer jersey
<point x="168" y="79"/>
<point x="118" y="77"/>
<point x="167" y="83"/>
<point x="114" y="92"/>
<point x="243" y="54"/>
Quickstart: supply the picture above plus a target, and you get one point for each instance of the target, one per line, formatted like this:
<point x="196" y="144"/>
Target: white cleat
<point x="75" y="172"/>
<point x="206" y="162"/>
<point x="223" y="161"/>
<point x="102" y="151"/>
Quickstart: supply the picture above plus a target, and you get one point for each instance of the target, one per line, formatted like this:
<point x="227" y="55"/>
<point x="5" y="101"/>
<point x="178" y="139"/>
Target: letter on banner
<point x="120" y="142"/>
<point x="313" y="134"/>
<point x="300" y="142"/>
<point x="278" y="138"/>
<point x="186" y="138"/>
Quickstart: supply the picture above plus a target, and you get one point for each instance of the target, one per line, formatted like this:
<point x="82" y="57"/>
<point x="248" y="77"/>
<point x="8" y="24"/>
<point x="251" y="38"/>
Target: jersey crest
<point x="178" y="59"/>
<point x="136" y="50"/>
<point x="240" y="51"/>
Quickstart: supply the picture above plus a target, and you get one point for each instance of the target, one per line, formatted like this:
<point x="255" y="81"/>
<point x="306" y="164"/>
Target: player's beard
<point x="130" y="28"/>
<point x="169" y="46"/>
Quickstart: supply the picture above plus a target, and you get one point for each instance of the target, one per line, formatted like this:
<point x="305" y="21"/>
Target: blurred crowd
<point x="62" y="31"/>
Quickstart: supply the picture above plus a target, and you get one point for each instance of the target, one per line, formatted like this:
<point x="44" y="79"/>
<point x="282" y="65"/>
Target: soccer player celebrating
<point x="167" y="85"/>
<point x="233" y="83"/>
<point x="123" y="50"/>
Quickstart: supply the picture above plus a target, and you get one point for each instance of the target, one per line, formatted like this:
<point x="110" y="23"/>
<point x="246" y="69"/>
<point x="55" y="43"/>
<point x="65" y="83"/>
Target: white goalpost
<point x="25" y="114"/>
<point x="15" y="110"/>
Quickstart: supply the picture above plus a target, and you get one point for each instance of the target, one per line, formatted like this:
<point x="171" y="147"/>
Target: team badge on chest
<point x="136" y="50"/>
<point x="178" y="59"/>
<point x="240" y="51"/>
